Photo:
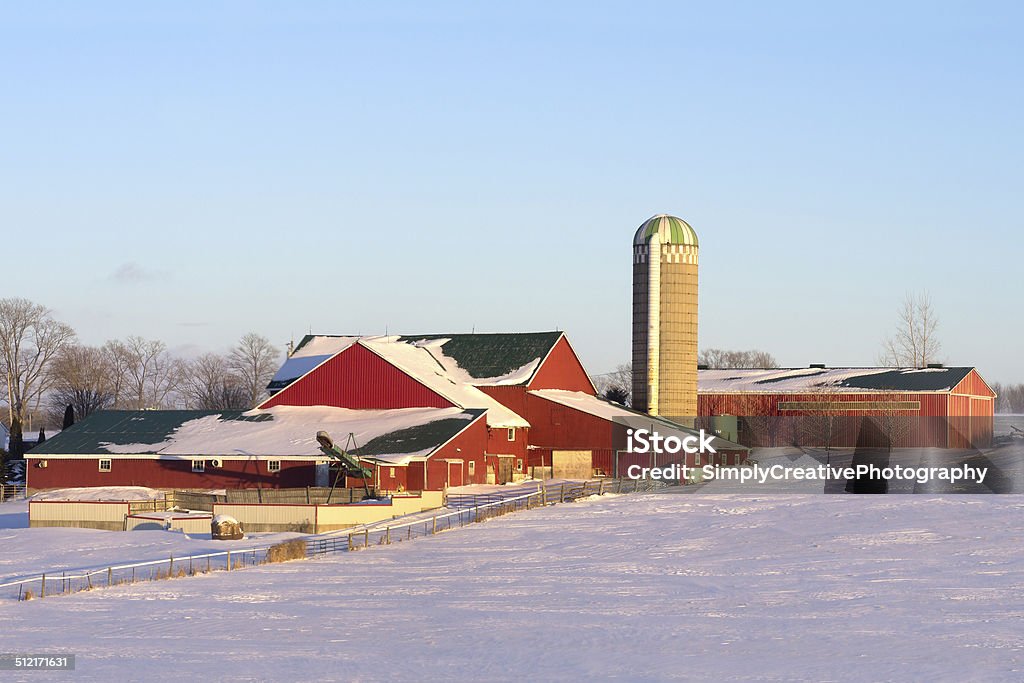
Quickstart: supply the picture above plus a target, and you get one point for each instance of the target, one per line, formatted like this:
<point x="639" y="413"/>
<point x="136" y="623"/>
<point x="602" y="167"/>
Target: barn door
<point x="505" y="468"/>
<point x="455" y="473"/>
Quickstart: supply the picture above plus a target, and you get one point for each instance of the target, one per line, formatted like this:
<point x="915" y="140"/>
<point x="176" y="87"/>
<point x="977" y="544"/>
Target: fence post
<point x="543" y="494"/>
<point x="387" y="535"/>
<point x="229" y="560"/>
<point x="42" y="589"/>
<point x="170" y="569"/>
<point x="561" y="493"/>
<point x="434" y="529"/>
<point x="350" y="541"/>
<point x="110" y="576"/>
<point x="600" y="488"/>
<point x="366" y="538"/>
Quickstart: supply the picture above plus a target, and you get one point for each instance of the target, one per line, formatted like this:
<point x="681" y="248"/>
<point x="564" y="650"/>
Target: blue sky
<point x="193" y="173"/>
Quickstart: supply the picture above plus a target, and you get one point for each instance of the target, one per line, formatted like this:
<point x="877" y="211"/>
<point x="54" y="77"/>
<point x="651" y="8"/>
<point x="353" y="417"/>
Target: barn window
<point x="104" y="465"/>
<point x="696" y="460"/>
<point x="472" y="468"/>
<point x="511" y="433"/>
<point x="519" y="465"/>
<point x="273" y="466"/>
<point x="198" y="465"/>
<point x="391" y="472"/>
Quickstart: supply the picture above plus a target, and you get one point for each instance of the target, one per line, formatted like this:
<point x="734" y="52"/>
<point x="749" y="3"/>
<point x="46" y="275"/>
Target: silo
<point x="665" y="317"/>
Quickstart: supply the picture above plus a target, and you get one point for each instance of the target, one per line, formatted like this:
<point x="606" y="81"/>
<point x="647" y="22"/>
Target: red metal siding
<point x="167" y="474"/>
<point x="973" y="385"/>
<point x="562" y="370"/>
<point x="924" y="427"/>
<point x="468" y="446"/>
<point x="512" y="397"/>
<point x="563" y="428"/>
<point x="359" y="379"/>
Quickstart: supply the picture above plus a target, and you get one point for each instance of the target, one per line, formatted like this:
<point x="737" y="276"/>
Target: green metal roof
<point x="670" y="230"/>
<point x="429" y="436"/>
<point x="122" y="427"/>
<point x="492" y="355"/>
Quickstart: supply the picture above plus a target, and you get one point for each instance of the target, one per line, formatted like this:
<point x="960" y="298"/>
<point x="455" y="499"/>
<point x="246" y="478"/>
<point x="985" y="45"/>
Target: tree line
<point x="1009" y="398"/>
<point x="50" y="377"/>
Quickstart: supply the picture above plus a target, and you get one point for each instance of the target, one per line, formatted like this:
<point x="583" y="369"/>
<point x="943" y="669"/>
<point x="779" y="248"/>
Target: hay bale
<point x="226" y="528"/>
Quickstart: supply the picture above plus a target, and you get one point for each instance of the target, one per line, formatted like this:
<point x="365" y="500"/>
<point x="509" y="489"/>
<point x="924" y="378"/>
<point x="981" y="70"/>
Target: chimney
<point x="819" y="366"/>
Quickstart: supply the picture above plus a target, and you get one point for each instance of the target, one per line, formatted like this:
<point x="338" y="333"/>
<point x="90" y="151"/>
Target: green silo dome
<point x="670" y="230"/>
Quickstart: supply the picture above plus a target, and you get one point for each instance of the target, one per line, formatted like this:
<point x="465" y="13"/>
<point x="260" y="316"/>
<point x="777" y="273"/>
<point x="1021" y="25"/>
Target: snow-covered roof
<point x="810" y="380"/>
<point x="592" y="405"/>
<point x="425" y="359"/>
<point x="282" y="431"/>
<point x="421" y="363"/>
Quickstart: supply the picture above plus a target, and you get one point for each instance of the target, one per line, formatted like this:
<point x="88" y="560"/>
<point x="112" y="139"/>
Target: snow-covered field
<point x="31" y="551"/>
<point x="645" y="587"/>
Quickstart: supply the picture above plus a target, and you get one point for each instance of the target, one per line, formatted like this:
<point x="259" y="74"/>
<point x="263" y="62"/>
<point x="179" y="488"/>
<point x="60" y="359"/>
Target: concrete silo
<point x="665" y="317"/>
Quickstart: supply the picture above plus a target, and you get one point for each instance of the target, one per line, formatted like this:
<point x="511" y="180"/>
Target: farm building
<point x="425" y="412"/>
<point x="543" y="414"/>
<point x="944" y="407"/>
<point x="422" y="448"/>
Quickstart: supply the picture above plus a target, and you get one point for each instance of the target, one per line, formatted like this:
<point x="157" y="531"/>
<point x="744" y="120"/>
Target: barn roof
<point x="810" y="380"/>
<point x="479" y="359"/>
<point x="393" y="435"/>
<point x="598" y="407"/>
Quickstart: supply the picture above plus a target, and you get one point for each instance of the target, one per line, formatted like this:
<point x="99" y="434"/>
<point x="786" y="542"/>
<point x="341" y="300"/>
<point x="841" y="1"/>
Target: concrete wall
<point x="109" y="516"/>
<point x="320" y="518"/>
<point x="571" y="464"/>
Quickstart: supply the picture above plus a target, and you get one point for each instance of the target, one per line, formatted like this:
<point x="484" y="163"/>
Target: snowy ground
<point x="646" y="587"/>
<point x="30" y="551"/>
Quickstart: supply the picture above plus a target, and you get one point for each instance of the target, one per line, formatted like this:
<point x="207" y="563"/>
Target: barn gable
<point x="562" y="369"/>
<point x="357" y="378"/>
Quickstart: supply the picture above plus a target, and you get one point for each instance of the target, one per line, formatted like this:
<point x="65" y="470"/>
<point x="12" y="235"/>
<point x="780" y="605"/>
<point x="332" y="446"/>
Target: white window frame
<point x="273" y="466"/>
<point x="198" y="465"/>
<point x="391" y="472"/>
<point x="696" y="459"/>
<point x="519" y="464"/>
<point x="472" y="467"/>
<point x="511" y="433"/>
<point x="109" y="463"/>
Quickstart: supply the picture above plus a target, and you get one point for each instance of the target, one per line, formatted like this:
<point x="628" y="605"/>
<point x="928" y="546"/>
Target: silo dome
<point x="670" y="230"/>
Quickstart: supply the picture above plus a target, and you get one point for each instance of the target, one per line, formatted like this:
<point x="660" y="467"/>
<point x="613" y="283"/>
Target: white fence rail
<point x="51" y="583"/>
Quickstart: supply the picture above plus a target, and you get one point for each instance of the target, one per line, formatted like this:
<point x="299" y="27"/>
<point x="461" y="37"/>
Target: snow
<point x="452" y="368"/>
<point x="101" y="493"/>
<point x="224" y="519"/>
<point x="292" y="432"/>
<point x="53" y="549"/>
<point x="636" y="587"/>
<point x="799" y="380"/>
<point x="419" y="363"/>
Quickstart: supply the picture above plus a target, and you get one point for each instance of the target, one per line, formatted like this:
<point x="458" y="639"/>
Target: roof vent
<point x="936" y="366"/>
<point x="820" y="366"/>
<point x="703" y="366"/>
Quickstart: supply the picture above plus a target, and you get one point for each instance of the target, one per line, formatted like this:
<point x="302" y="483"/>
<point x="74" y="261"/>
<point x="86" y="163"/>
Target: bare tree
<point x="254" y="361"/>
<point x="915" y="343"/>
<point x="29" y="340"/>
<point x="721" y="358"/>
<point x="147" y="374"/>
<point x="617" y="385"/>
<point x="83" y="379"/>
<point x="209" y="384"/>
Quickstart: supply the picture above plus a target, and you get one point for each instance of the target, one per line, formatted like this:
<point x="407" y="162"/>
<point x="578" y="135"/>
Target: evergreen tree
<point x="42" y="436"/>
<point x="69" y="416"/>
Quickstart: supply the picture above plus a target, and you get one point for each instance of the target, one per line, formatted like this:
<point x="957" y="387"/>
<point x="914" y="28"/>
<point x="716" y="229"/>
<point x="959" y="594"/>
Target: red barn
<point x="426" y="412"/>
<point x="816" y="406"/>
<point x="543" y="414"/>
<point x="416" y="448"/>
